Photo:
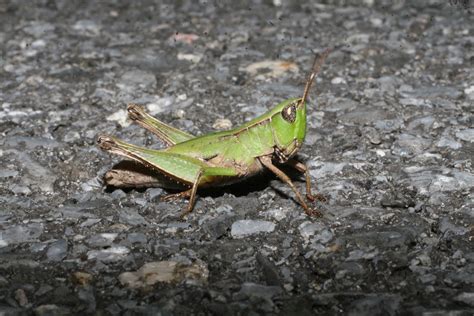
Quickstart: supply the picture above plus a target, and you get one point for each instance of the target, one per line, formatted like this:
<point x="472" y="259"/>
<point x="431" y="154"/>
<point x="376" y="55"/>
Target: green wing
<point x="168" y="134"/>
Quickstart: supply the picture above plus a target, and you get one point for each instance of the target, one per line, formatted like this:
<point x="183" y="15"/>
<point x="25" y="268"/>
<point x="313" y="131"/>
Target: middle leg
<point x="176" y="196"/>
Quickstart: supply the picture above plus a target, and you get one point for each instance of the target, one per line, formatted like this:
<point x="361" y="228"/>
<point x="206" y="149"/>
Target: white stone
<point x="120" y="117"/>
<point x="338" y="80"/>
<point x="242" y="228"/>
<point x="466" y="135"/>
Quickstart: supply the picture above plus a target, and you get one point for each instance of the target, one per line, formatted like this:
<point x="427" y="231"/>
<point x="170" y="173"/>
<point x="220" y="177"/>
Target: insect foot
<point x="176" y="196"/>
<point x="135" y="112"/>
<point x="316" y="197"/>
<point x="105" y="142"/>
<point x="313" y="212"/>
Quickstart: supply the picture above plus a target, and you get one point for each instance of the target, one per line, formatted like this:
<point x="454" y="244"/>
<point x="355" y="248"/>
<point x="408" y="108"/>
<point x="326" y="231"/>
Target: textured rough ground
<point x="390" y="141"/>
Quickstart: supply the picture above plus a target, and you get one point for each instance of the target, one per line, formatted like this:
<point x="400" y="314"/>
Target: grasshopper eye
<point x="289" y="113"/>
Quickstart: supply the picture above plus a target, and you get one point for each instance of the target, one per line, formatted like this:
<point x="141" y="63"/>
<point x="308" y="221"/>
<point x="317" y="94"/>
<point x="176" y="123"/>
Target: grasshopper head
<point x="290" y="124"/>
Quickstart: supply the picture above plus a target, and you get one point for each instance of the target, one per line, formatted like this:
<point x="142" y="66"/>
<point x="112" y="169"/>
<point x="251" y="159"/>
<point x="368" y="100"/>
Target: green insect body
<point x="225" y="157"/>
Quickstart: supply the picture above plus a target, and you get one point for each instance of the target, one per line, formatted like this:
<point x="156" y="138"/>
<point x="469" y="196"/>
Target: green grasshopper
<point x="226" y="157"/>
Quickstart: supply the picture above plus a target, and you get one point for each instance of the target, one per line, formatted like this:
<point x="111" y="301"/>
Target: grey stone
<point x="87" y="296"/>
<point x="461" y="277"/>
<point x="43" y="289"/>
<point x="376" y="305"/>
<point x="409" y="145"/>
<point x="447" y="227"/>
<point x="343" y="104"/>
<point x="308" y="229"/>
<point x="118" y="194"/>
<point x="5" y="173"/>
<point x="3" y="281"/>
<point x="425" y="122"/>
<point x="323" y="237"/>
<point x="154" y="194"/>
<point x="109" y="255"/>
<point x="90" y="222"/>
<point x="51" y="309"/>
<point x="432" y="92"/>
<point x="269" y="270"/>
<point x="131" y="217"/>
<point x="372" y="135"/>
<point x="350" y="269"/>
<point x="278" y="214"/>
<point x="466" y="135"/>
<point x="20" y="189"/>
<point x="465" y="179"/>
<point x="389" y="125"/>
<point x="30" y="143"/>
<point x="219" y="226"/>
<point x="57" y="250"/>
<point x="360" y="254"/>
<point x="75" y="212"/>
<point x="71" y="136"/>
<point x="256" y="290"/>
<point x="21" y="233"/>
<point x="243" y="228"/>
<point x="101" y="240"/>
<point x="137" y="238"/>
<point x="39" y="28"/>
<point x="87" y="27"/>
<point x="397" y="199"/>
<point x="384" y="239"/>
<point x="448" y="142"/>
<point x="137" y="79"/>
<point x="7" y="310"/>
<point x="326" y="168"/>
<point x="364" y="116"/>
<point x="37" y="176"/>
<point x="461" y="180"/>
<point x="20" y="263"/>
<point x="466" y="298"/>
<point x="150" y="59"/>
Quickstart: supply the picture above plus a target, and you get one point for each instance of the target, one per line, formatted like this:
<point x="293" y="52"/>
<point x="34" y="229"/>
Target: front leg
<point x="267" y="162"/>
<point x="301" y="167"/>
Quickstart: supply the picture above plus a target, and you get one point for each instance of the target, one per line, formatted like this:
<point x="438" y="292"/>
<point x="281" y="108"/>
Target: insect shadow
<point x="137" y="173"/>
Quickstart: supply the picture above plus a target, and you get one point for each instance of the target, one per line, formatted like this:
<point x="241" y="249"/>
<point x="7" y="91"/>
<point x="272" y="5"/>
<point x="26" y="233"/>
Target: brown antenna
<point x="318" y="62"/>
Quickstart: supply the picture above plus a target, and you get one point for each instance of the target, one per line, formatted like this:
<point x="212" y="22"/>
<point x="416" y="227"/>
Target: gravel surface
<point x="390" y="142"/>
